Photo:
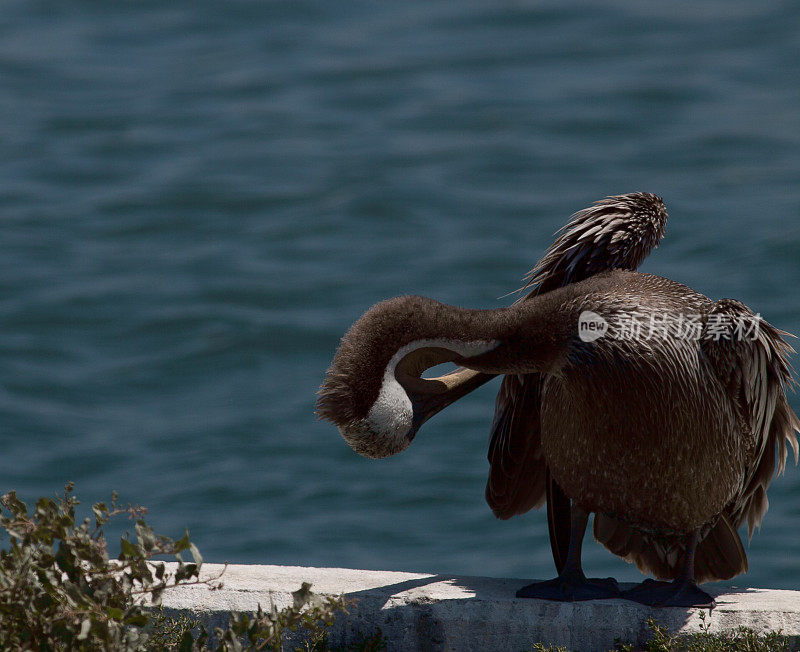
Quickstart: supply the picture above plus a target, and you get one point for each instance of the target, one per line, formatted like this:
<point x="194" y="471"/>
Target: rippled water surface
<point x="197" y="199"/>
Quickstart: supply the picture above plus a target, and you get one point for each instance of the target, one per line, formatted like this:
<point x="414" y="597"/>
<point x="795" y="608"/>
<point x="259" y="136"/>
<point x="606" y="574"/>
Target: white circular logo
<point x="591" y="326"/>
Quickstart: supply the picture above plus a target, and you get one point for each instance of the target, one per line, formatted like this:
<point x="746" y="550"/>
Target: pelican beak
<point x="429" y="396"/>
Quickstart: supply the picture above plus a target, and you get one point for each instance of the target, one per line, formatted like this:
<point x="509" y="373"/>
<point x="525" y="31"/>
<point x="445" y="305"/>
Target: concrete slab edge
<point x="418" y="611"/>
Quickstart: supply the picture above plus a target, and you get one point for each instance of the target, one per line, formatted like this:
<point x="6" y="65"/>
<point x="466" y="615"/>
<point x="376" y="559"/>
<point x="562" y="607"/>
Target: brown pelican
<point x="668" y="434"/>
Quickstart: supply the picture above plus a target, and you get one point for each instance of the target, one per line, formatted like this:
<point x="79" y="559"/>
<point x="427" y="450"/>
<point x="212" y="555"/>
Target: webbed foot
<point x="669" y="594"/>
<point x="571" y="588"/>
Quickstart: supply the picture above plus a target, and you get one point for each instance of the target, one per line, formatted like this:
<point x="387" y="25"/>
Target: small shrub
<point x="166" y="632"/>
<point x="309" y="614"/>
<point x="59" y="590"/>
<point x="742" y="639"/>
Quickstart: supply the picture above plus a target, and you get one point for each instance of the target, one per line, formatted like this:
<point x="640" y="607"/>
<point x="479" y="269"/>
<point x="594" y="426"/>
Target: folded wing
<point x="749" y="358"/>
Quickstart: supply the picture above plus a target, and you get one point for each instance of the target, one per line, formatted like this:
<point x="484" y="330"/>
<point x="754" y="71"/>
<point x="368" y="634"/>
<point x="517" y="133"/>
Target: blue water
<point x="198" y="198"/>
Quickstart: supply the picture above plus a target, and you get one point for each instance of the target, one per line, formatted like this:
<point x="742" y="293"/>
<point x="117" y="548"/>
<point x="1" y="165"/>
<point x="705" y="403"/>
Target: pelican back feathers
<point x="748" y="360"/>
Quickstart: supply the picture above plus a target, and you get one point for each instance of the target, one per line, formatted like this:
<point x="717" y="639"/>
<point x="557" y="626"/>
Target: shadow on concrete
<point x="429" y="613"/>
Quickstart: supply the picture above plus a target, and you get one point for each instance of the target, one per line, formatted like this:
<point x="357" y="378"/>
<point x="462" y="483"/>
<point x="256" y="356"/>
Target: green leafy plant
<point x="266" y="630"/>
<point x="167" y="632"/>
<point x="60" y="590"/>
<point x="742" y="639"/>
<point x="302" y="627"/>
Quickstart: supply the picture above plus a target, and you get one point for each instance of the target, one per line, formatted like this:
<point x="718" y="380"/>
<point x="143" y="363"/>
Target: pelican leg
<point x="572" y="585"/>
<point x="680" y="592"/>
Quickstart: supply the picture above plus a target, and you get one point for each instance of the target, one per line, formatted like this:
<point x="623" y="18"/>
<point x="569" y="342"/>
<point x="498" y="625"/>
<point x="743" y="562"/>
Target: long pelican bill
<point x="429" y="396"/>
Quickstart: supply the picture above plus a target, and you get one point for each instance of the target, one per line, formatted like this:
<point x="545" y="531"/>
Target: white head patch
<point x="385" y="430"/>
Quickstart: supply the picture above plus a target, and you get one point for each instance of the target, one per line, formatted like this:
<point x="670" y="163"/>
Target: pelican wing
<point x="615" y="233"/>
<point x="750" y="358"/>
<point x="517" y="478"/>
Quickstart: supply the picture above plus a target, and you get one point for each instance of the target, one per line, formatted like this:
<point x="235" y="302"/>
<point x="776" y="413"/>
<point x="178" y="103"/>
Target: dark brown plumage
<point x="671" y="441"/>
<point x="615" y="233"/>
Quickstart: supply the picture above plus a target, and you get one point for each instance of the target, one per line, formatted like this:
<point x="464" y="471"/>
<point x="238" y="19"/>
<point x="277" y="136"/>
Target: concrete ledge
<point x="416" y="611"/>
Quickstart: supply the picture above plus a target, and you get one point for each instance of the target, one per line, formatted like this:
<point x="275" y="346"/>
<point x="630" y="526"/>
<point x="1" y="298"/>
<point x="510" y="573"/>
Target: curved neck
<point x="400" y="338"/>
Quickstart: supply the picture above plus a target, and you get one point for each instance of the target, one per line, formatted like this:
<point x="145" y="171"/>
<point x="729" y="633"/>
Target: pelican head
<point x="374" y="391"/>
